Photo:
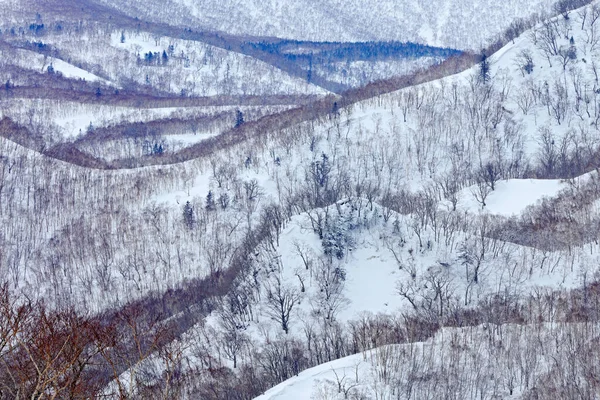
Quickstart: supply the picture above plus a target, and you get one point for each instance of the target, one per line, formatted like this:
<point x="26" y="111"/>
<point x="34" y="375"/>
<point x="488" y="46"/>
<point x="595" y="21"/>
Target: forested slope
<point x="215" y="250"/>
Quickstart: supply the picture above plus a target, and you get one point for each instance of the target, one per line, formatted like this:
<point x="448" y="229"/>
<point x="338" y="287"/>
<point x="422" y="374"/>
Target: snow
<point x="32" y="60"/>
<point x="71" y="119"/>
<point x="304" y="384"/>
<point x="359" y="73"/>
<point x="202" y="69"/>
<point x="370" y="130"/>
<point x="71" y="71"/>
<point x="375" y="133"/>
<point x="138" y="43"/>
<point x="512" y="196"/>
<point x="372" y="273"/>
<point x="199" y="188"/>
<point x="444" y="23"/>
<point x="477" y="356"/>
<point x="370" y="284"/>
<point x="371" y="142"/>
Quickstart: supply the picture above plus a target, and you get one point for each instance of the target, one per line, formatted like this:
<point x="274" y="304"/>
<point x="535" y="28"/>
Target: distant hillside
<point x="444" y="23"/>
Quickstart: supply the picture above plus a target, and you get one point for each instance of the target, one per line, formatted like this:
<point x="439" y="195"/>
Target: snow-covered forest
<point x="191" y="214"/>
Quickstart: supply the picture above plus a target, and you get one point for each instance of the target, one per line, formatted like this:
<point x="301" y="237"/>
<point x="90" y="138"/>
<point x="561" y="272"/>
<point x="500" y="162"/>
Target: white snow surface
<point x="512" y="196"/>
<point x="371" y="272"/>
<point x="302" y="387"/>
<point x="32" y="60"/>
<point x="375" y="132"/>
<point x="377" y="127"/>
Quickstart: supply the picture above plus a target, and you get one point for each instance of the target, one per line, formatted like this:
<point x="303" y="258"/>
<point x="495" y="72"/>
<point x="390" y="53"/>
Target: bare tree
<point x="524" y="61"/>
<point x="450" y="186"/>
<point x="548" y="40"/>
<point x="525" y="100"/>
<point x="481" y="191"/>
<point x="172" y="357"/>
<point x="567" y="55"/>
<point x="591" y="32"/>
<point x="43" y="353"/>
<point x="558" y="102"/>
<point x="281" y="300"/>
<point x="129" y="342"/>
<point x="490" y="173"/>
<point x="330" y="278"/>
<point x="232" y="342"/>
<point x="548" y="153"/>
<point x="305" y="253"/>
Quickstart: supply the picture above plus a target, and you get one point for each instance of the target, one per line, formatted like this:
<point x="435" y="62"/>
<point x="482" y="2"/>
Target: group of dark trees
<point x="156" y="58"/>
<point x="331" y="52"/>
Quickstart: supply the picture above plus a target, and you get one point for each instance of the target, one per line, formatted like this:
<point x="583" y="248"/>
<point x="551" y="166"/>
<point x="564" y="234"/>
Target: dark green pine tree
<point x="210" y="201"/>
<point x="188" y="215"/>
<point x="239" y="118"/>
<point x="484" y="69"/>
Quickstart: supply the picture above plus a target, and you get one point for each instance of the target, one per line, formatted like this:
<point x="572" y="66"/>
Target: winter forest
<point x="233" y="200"/>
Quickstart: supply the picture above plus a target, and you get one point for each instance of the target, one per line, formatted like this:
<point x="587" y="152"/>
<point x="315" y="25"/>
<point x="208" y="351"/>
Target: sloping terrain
<point x="222" y="57"/>
<point x="459" y="363"/>
<point x="444" y="23"/>
<point x="190" y="247"/>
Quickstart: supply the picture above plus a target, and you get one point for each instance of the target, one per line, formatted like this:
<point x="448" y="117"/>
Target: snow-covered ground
<point x="344" y="219"/>
<point x="385" y="269"/>
<point x="444" y="23"/>
<point x="372" y="143"/>
<point x="386" y="265"/>
<point x="362" y="198"/>
<point x="512" y="196"/>
<point x="178" y="66"/>
<point x="359" y="73"/>
<point x="456" y="362"/>
<point x="70" y="120"/>
<point x="38" y="62"/>
<point x="352" y="370"/>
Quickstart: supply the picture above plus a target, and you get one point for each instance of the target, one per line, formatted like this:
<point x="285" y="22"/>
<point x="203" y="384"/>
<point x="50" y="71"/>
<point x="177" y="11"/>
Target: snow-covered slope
<point x="177" y="66"/>
<point x="430" y="142"/>
<point x="68" y="120"/>
<point x="353" y="370"/>
<point x="466" y="24"/>
<point x="512" y="196"/>
<point x="475" y="362"/>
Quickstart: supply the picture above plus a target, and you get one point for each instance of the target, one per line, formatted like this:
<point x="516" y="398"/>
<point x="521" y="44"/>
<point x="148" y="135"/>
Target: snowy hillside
<point x="457" y="128"/>
<point x="461" y="25"/>
<point x="170" y="65"/>
<point x="192" y="222"/>
<point x="456" y="363"/>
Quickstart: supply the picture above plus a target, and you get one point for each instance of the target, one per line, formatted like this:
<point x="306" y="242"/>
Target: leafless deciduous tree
<point x="282" y="298"/>
<point x="548" y="40"/>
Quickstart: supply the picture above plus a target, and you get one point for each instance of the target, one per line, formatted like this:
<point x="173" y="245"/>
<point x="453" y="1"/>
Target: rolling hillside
<point x="461" y="25"/>
<point x="188" y="214"/>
